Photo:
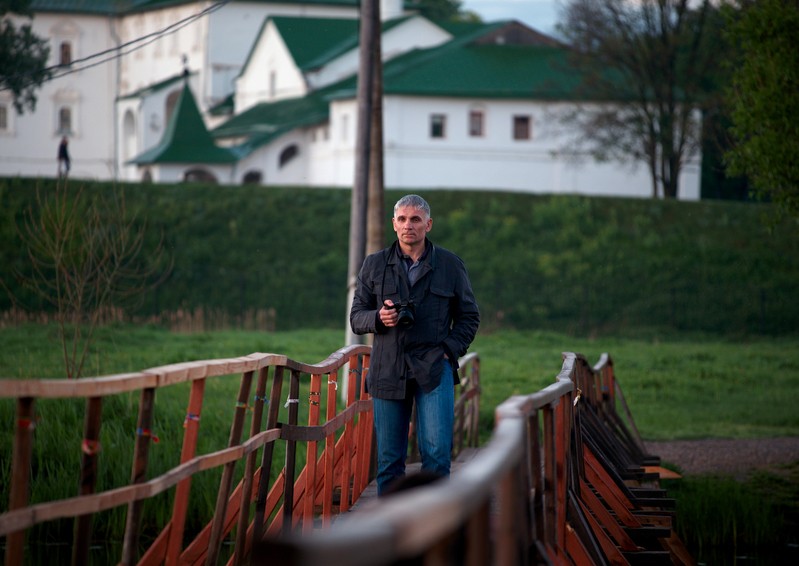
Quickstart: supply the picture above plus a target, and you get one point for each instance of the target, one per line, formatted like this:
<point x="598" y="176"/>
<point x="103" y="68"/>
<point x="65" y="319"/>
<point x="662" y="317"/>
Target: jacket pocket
<point x="441" y="298"/>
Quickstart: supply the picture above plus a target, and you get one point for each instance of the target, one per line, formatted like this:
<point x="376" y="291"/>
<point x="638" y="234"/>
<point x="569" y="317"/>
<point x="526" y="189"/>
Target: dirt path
<point x="736" y="457"/>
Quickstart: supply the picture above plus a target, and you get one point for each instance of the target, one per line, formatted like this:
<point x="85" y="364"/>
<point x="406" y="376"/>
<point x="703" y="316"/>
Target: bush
<point x="565" y="263"/>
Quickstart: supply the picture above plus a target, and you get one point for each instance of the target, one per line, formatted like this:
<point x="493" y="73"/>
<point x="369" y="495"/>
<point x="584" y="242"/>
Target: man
<point x="63" y="157"/>
<point x="417" y="300"/>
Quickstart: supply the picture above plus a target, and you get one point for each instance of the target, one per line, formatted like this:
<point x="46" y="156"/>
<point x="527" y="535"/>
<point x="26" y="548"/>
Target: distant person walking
<point x="63" y="157"/>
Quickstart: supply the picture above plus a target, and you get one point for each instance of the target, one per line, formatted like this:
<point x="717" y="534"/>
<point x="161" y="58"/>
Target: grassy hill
<point x="573" y="264"/>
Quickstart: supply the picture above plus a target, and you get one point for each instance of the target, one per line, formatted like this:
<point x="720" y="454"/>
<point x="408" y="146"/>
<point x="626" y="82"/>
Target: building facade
<point x="466" y="106"/>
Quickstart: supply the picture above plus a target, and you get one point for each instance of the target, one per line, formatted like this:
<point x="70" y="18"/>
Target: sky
<point x="538" y="14"/>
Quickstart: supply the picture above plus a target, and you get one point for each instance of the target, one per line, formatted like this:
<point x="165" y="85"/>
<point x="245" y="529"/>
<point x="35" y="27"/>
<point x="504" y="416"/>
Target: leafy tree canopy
<point x="651" y="60"/>
<point x="764" y="96"/>
<point x="23" y="55"/>
<point x="439" y="9"/>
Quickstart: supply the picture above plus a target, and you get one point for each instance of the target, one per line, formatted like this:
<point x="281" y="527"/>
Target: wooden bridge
<point x="564" y="478"/>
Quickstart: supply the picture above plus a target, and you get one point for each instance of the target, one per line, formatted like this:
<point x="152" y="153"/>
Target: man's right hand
<point x="388" y="314"/>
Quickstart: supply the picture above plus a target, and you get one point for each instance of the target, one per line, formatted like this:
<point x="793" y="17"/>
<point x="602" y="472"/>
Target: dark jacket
<point x="446" y="319"/>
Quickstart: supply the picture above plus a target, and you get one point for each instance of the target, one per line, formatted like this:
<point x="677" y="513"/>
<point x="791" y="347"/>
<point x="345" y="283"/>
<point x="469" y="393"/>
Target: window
<point x="199" y="175"/>
<point x="288" y="154"/>
<point x="438" y="125"/>
<point x="522" y="129"/>
<point x="64" y="120"/>
<point x="252" y="178"/>
<point x="65" y="51"/>
<point x="171" y="102"/>
<point x="476" y="123"/>
<point x="3" y="118"/>
<point x="272" y="84"/>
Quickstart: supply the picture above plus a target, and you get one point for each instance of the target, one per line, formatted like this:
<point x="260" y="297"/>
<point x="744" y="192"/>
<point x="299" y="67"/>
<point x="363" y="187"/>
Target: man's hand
<point x="388" y="314"/>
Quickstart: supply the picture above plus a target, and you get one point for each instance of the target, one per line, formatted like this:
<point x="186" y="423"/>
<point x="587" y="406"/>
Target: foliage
<point x="765" y="100"/>
<point x="439" y="10"/>
<point x="645" y="67"/>
<point x="85" y="258"/>
<point x="571" y="264"/>
<point x="23" y="56"/>
<point x="756" y="514"/>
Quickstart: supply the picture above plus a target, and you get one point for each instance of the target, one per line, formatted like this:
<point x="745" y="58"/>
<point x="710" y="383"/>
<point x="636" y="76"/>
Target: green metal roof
<point x="185" y="140"/>
<point x="467" y="66"/>
<point x="313" y="42"/>
<point x="153" y="88"/>
<point x="484" y="71"/>
<point x="312" y="39"/>
<point x="265" y="122"/>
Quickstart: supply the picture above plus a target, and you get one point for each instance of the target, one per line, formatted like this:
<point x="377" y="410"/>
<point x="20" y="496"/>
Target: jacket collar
<point x="429" y="257"/>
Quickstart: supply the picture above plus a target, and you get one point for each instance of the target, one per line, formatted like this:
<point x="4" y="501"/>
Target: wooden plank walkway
<point x="369" y="496"/>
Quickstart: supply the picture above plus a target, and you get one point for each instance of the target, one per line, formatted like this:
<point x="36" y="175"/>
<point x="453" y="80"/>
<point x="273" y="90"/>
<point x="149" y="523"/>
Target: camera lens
<point x="405" y="318"/>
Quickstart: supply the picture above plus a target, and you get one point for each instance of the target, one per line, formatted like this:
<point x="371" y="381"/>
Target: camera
<point x="406" y="312"/>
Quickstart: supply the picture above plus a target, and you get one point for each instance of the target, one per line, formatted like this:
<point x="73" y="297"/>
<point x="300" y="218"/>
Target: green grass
<point x="677" y="388"/>
<point x="758" y="515"/>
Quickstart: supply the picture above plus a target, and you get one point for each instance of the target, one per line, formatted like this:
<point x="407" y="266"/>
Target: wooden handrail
<point x="346" y="433"/>
<point x="298" y="499"/>
<point x="539" y="492"/>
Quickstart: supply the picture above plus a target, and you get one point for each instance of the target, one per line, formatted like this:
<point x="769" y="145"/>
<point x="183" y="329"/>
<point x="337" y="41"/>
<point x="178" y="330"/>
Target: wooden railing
<point x="564" y="480"/>
<point x="283" y="502"/>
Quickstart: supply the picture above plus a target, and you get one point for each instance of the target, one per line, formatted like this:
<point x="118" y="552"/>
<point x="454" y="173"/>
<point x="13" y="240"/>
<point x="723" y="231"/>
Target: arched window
<point x="171" y="101"/>
<point x="288" y="154"/>
<point x="128" y="135"/>
<point x="65" y="53"/>
<point x="199" y="176"/>
<point x="252" y="178"/>
<point x="65" y="120"/>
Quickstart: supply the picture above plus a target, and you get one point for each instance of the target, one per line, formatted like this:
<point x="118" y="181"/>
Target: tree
<point x="439" y="10"/>
<point x="23" y="56"/>
<point x="764" y="98"/>
<point x="643" y="66"/>
<point x="86" y="257"/>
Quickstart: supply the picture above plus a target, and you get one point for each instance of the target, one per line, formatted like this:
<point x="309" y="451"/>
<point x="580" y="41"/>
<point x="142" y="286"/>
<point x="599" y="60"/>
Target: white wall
<point x="29" y="147"/>
<point x="333" y="151"/>
<point x="496" y="161"/>
<point x="270" y="73"/>
<point x="233" y="29"/>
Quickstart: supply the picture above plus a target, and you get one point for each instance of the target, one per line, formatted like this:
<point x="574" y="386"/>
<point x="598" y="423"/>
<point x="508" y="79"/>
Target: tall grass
<point x="678" y="388"/>
<point x="757" y="515"/>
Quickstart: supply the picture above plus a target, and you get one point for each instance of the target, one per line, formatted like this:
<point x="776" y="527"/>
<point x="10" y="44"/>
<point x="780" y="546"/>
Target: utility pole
<point x="359" y="201"/>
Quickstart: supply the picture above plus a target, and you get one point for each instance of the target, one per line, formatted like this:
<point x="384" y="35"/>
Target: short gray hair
<point x="414" y="201"/>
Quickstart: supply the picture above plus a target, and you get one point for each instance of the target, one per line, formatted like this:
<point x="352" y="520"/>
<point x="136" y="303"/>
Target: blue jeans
<point x="434" y="421"/>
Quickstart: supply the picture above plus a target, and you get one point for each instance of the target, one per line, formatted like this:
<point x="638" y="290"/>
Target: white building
<point x="466" y="106"/>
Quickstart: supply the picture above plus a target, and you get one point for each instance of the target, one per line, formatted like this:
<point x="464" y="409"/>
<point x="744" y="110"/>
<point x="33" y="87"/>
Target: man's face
<point x="411" y="225"/>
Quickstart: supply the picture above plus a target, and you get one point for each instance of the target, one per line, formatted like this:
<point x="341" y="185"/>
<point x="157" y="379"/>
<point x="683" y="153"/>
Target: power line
<point x="58" y="71"/>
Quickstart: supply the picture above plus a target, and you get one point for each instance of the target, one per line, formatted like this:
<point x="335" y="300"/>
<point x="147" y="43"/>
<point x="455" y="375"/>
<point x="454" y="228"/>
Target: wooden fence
<point x="282" y="504"/>
<point x="564" y="480"/>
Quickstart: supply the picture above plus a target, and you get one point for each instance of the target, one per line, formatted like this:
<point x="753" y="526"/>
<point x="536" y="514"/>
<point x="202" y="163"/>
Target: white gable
<point x="271" y="73"/>
<point x="414" y="33"/>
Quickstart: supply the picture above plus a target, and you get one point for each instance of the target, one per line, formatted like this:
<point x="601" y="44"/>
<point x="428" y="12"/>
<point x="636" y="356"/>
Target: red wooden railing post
<point x="141" y="451"/>
<point x="88" y="477"/>
<point x="20" y="476"/>
<point x="181" y="504"/>
<point x="226" y="482"/>
<point x="250" y="469"/>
